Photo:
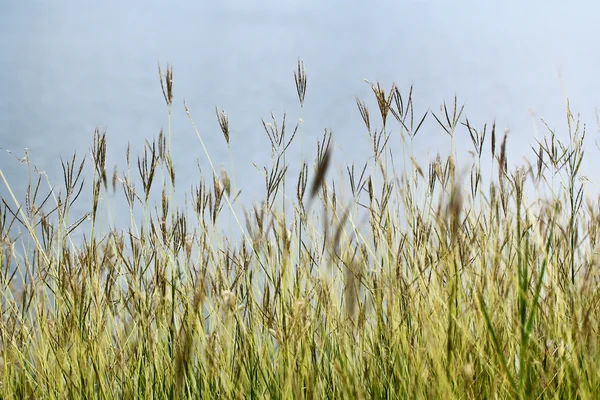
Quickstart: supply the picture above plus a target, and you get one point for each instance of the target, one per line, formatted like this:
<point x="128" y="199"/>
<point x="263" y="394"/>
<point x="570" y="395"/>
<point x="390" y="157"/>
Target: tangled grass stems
<point x="414" y="287"/>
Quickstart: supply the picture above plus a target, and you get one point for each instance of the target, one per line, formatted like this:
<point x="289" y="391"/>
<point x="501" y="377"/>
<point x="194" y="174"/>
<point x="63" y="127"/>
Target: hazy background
<point x="68" y="67"/>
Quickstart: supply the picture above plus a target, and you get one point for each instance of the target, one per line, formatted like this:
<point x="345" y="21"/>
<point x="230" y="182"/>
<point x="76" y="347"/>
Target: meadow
<point x="416" y="280"/>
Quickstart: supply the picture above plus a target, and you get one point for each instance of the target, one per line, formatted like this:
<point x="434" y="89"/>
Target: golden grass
<point x="449" y="288"/>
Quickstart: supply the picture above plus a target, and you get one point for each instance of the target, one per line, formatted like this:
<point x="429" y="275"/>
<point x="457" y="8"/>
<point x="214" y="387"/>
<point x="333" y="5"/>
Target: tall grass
<point x="416" y="283"/>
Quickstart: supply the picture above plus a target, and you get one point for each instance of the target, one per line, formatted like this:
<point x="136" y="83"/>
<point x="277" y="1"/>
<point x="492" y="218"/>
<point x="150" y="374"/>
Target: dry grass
<point x="451" y="287"/>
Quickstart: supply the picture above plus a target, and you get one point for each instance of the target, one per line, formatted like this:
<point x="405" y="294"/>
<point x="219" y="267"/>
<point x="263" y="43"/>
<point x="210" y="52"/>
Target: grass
<point x="429" y="282"/>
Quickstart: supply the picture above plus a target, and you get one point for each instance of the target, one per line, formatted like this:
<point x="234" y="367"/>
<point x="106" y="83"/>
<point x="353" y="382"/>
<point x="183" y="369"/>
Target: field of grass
<point x="418" y="281"/>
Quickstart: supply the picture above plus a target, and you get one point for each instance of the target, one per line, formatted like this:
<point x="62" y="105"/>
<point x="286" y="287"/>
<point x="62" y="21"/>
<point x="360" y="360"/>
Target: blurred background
<point x="69" y="67"/>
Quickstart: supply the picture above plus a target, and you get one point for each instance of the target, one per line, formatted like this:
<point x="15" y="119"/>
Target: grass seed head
<point x="300" y="78"/>
<point x="223" y="123"/>
<point x="167" y="85"/>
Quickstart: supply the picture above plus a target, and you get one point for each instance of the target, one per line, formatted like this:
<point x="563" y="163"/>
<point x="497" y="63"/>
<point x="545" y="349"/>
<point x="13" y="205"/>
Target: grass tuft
<point x="435" y="281"/>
